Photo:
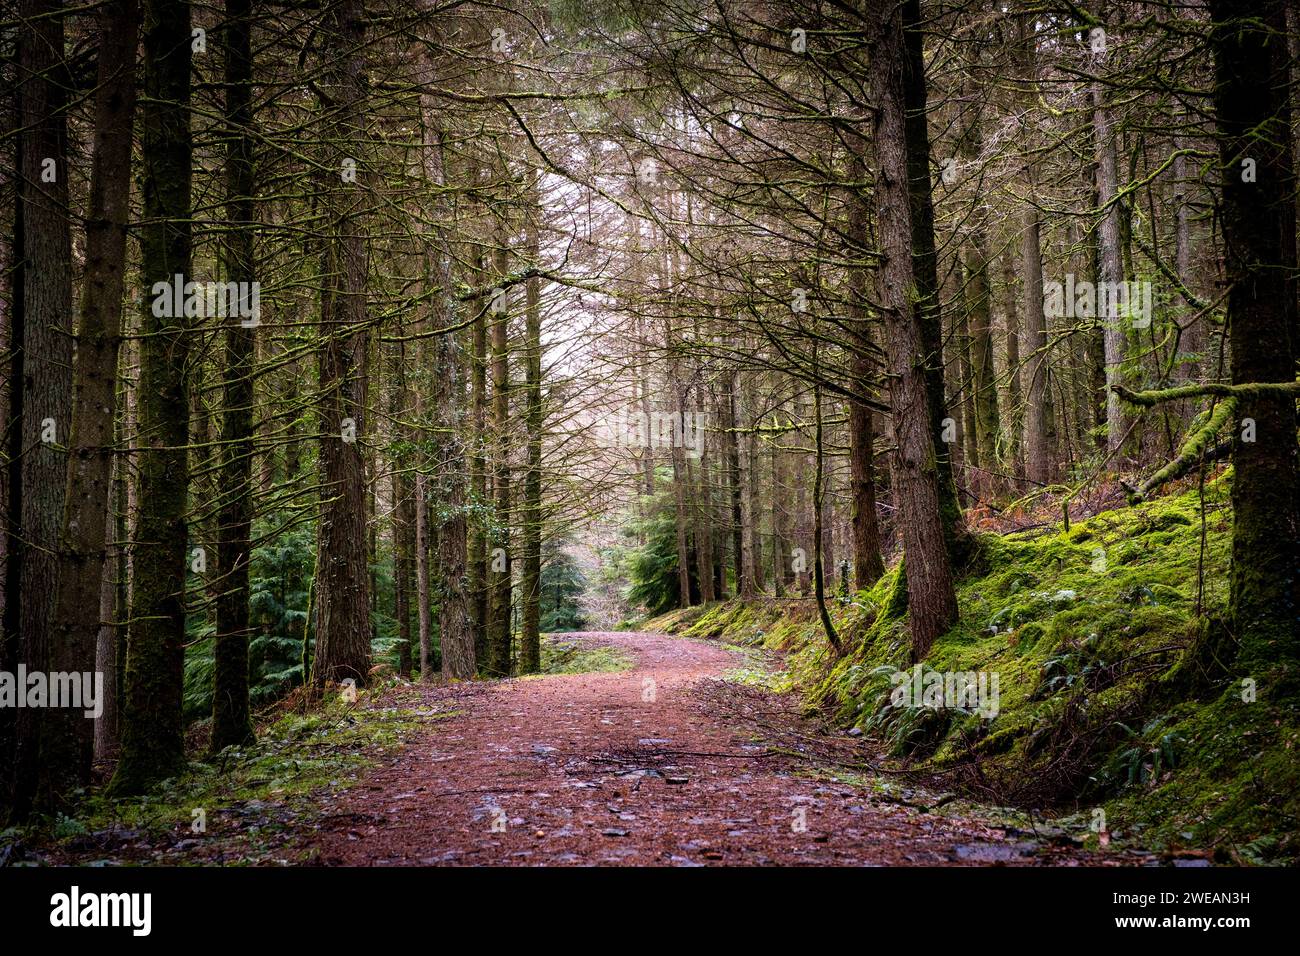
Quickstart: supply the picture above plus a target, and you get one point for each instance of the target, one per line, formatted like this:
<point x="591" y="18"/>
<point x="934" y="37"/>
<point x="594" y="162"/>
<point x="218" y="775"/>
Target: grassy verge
<point x="235" y="807"/>
<point x="562" y="654"/>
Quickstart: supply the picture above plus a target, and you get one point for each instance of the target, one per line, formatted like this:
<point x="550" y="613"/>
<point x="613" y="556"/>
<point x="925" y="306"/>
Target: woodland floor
<point x="580" y="769"/>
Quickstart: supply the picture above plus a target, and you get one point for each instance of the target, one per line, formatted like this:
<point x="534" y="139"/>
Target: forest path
<point x="662" y="764"/>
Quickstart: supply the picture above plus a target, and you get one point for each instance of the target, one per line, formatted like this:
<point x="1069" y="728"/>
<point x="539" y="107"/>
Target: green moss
<point x="249" y="795"/>
<point x="561" y="655"/>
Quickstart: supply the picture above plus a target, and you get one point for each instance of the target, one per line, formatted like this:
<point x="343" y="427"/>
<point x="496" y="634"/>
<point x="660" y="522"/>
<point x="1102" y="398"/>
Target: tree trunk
<point x="701" y="515"/>
<point x="1110" y="267"/>
<point x="112" y="610"/>
<point x="915" y="482"/>
<point x="231" y="723"/>
<point x="752" y="511"/>
<point x="478" y="542"/>
<point x="741" y="560"/>
<point x="679" y="477"/>
<point x="343" y="578"/>
<point x="1040" y="423"/>
<point x="530" y="653"/>
<point x="403" y="562"/>
<point x="803" y="515"/>
<point x="1250" y="99"/>
<point x="867" y="563"/>
<point x="499" y="642"/>
<point x="1015" y="400"/>
<point x="10" y="396"/>
<point x="152" y="744"/>
<point x="1041" y="455"/>
<point x="970" y="448"/>
<point x="819" y="487"/>
<point x="457" y="628"/>
<point x="780" y="537"/>
<point x="68" y="740"/>
<point x="423" y="612"/>
<point x="984" y="393"/>
<point x="925" y="267"/>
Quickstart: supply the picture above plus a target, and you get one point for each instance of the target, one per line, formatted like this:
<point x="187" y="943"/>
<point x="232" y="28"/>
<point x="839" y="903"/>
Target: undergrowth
<point x="562" y="655"/>
<point x="237" y="803"/>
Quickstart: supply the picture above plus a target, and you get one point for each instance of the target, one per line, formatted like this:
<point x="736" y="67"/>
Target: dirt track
<point x="641" y="767"/>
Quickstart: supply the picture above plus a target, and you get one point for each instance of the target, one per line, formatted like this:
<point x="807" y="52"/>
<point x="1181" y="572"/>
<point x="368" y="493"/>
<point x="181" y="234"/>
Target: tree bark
<point x="42" y="383"/>
<point x="916" y="480"/>
<point x="500" y="638"/>
<point x="1250" y="99"/>
<point x="530" y="653"/>
<point x="925" y="266"/>
<point x="780" y="535"/>
<point x="423" y="608"/>
<point x="701" y="516"/>
<point x="1040" y="422"/>
<point x="152" y="743"/>
<point x="752" y="507"/>
<point x="343" y="578"/>
<point x="480" y="616"/>
<point x="457" y="628"/>
<point x="68" y="740"/>
<point x="741" y="560"/>
<point x="868" y="565"/>
<point x="231" y="722"/>
<point x="403" y="563"/>
<point x="1015" y="401"/>
<point x="984" y="395"/>
<point x="1110" y="265"/>
<point x="681" y="516"/>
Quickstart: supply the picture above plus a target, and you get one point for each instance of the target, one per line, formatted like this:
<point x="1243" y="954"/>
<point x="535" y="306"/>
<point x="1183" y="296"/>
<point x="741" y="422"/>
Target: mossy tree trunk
<point x="478" y="542"/>
<point x="343" y="578"/>
<point x="1110" y="271"/>
<point x="679" y="474"/>
<point x="231" y="723"/>
<point x="1014" y="402"/>
<point x="530" y="653"/>
<point x="1250" y="98"/>
<point x="741" y="560"/>
<point x="67" y="747"/>
<point x="979" y="300"/>
<point x="500" y="565"/>
<point x="152" y="743"/>
<point x="457" y="628"/>
<point x="752" y="510"/>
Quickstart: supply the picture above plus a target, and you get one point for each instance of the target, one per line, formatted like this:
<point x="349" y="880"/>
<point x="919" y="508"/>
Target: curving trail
<point x="644" y="767"/>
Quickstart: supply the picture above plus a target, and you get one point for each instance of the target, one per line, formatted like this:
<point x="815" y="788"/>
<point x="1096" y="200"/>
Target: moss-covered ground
<point x="236" y="806"/>
<point x="562" y="654"/>
<point x="1119" y="702"/>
